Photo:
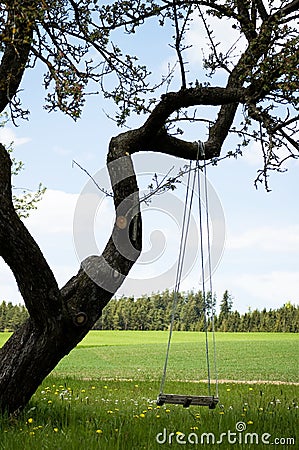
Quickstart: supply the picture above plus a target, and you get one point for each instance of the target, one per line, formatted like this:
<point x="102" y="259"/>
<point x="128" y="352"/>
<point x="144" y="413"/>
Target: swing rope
<point x="182" y="250"/>
<point x="204" y="295"/>
<point x="209" y="258"/>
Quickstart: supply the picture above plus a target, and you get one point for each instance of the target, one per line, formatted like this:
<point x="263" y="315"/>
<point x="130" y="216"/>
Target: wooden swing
<point x="179" y="399"/>
<point x="188" y="400"/>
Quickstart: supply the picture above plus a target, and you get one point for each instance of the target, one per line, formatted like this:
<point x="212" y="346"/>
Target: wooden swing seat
<point x="188" y="400"/>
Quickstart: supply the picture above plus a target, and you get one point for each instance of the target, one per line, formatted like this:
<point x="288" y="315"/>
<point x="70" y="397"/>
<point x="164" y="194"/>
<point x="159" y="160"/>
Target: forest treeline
<point x="11" y="316"/>
<point x="154" y="312"/>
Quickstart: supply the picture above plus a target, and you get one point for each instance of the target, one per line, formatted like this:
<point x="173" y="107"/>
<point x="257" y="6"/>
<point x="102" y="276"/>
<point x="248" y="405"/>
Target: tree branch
<point x="17" y="47"/>
<point x="173" y="101"/>
<point x="245" y="22"/>
<point x="288" y="9"/>
<point x="99" y="277"/>
<point x="20" y="251"/>
<point x="261" y="9"/>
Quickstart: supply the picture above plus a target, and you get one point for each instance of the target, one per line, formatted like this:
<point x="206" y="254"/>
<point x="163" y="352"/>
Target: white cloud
<point x="61" y="150"/>
<point x="54" y="213"/>
<point x="8" y="286"/>
<point x="253" y="155"/>
<point x="269" y="239"/>
<point x="267" y="289"/>
<point x="272" y="289"/>
<point x="8" y="136"/>
<point x="52" y="227"/>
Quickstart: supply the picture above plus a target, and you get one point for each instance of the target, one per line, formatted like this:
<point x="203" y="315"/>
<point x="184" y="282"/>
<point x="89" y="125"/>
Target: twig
<point x="108" y="194"/>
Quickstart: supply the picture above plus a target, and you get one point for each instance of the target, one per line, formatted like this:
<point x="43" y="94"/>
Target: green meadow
<point x="102" y="395"/>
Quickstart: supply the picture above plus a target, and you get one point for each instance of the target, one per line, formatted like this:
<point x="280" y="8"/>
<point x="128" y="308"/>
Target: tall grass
<point x="102" y="396"/>
<point x="71" y="414"/>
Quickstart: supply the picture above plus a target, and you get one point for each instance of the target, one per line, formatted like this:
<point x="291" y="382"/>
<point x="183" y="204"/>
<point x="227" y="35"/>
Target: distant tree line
<point x="155" y="312"/>
<point x="11" y="316"/>
<point x="192" y="313"/>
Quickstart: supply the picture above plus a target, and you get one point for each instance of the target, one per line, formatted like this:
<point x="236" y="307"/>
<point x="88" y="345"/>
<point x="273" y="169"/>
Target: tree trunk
<point x="59" y="319"/>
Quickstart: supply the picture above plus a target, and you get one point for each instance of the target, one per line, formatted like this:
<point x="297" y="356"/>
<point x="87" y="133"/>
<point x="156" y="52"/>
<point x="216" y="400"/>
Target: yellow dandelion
<point x="105" y="387"/>
<point x="31" y="433"/>
<point x="142" y="415"/>
<point x="93" y="388"/>
<point x="158" y="416"/>
<point x="136" y="385"/>
<point x="221" y="412"/>
<point x="261" y="409"/>
<point x="49" y="402"/>
<point x="99" y="431"/>
<point x="228" y="390"/>
<point x="83" y="390"/>
<point x="167" y="410"/>
<point x="149" y="408"/>
<point x="249" y="422"/>
<point x="30" y="420"/>
<point x="109" y="412"/>
<point x="55" y="430"/>
<point x="178" y="433"/>
<point x="251" y="389"/>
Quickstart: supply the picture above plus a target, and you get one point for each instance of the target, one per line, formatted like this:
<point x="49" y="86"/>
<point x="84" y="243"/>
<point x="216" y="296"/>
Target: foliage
<point x="154" y="313"/>
<point x="28" y="200"/>
<point x="11" y="316"/>
<point x="83" y="47"/>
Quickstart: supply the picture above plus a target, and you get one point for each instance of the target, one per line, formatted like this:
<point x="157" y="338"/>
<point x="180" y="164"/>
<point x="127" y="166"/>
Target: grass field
<point x="102" y="395"/>
<point x="140" y="355"/>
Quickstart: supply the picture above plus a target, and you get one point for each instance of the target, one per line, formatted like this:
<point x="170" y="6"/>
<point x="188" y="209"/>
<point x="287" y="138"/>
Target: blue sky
<point x="259" y="265"/>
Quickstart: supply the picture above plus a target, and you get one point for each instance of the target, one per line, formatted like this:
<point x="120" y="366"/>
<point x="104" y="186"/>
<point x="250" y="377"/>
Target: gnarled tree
<point x="260" y="74"/>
